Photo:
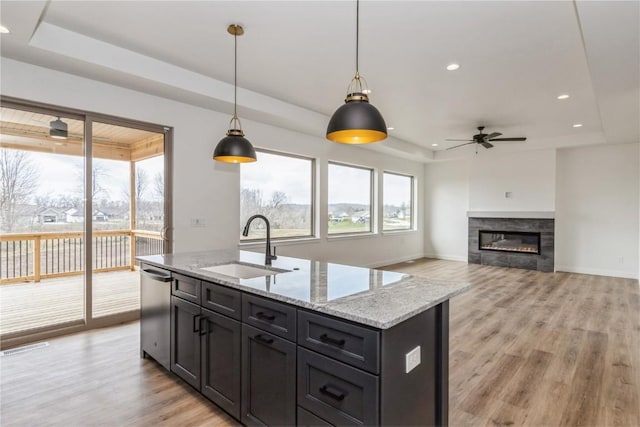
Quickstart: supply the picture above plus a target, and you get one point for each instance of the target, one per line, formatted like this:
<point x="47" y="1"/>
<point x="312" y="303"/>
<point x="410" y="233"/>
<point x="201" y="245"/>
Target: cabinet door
<point x="185" y="340"/>
<point x="221" y="339"/>
<point x="268" y="380"/>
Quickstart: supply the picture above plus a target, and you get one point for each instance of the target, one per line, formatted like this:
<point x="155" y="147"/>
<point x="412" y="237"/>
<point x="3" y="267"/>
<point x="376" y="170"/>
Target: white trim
<point x="394" y="261"/>
<point x="597" y="272"/>
<point x="512" y="214"/>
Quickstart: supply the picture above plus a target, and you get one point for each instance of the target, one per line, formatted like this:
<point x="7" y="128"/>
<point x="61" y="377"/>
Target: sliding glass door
<point x="81" y="196"/>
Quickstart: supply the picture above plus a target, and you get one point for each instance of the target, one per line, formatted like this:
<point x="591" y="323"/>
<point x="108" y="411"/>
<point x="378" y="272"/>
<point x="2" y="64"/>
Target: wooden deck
<point x="31" y="305"/>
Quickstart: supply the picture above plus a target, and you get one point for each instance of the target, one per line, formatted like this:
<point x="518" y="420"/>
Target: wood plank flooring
<point x="526" y="349"/>
<point x="31" y="305"/>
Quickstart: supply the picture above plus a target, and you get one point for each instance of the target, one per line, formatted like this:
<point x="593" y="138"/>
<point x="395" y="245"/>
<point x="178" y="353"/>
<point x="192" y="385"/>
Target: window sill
<point x="348" y="236"/>
<point x="394" y="232"/>
<point x="284" y="242"/>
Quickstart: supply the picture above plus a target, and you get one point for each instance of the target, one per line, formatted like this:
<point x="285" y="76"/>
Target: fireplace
<point x="509" y="241"/>
<point x="512" y="241"/>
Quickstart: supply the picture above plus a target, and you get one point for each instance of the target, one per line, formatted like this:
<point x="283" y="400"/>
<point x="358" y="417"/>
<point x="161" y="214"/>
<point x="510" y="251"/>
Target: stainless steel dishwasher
<point x="155" y="314"/>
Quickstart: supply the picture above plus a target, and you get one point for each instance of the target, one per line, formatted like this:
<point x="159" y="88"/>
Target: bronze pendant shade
<point x="357" y="121"/>
<point x="234" y="147"/>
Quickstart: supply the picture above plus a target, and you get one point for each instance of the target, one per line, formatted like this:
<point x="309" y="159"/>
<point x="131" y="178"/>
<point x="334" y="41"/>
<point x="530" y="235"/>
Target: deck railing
<point x="34" y="256"/>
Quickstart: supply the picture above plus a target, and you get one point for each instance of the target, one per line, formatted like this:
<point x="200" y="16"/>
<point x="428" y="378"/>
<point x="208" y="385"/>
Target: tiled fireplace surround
<point x="545" y="226"/>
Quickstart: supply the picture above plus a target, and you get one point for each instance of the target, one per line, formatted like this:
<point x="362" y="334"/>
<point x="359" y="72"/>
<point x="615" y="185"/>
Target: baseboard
<point x="597" y="272"/>
<point x="447" y="257"/>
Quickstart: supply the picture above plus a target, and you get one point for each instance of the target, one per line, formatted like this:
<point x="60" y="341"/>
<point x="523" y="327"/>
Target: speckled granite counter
<point x="376" y="298"/>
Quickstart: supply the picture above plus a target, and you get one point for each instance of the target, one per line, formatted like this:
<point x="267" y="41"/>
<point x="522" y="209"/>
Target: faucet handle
<point x="274" y="253"/>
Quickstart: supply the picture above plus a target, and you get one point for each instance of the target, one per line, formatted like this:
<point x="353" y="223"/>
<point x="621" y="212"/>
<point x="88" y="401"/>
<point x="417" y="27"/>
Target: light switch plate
<point x="412" y="359"/>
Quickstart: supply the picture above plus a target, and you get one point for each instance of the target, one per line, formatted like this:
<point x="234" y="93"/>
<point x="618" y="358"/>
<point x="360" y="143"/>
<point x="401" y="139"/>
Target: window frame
<point x="313" y="200"/>
<point x="372" y="201"/>
<point x="412" y="226"/>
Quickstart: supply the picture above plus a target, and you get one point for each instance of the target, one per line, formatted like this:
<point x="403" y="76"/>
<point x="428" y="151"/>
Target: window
<point x="279" y="187"/>
<point x="397" y="195"/>
<point x="349" y="199"/>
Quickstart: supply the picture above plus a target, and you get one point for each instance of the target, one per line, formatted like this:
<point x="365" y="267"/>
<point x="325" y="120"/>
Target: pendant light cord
<point x="235" y="75"/>
<point x="357" y="33"/>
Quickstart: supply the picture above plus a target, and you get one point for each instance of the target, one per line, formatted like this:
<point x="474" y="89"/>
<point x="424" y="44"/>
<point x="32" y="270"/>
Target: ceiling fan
<point x="484" y="139"/>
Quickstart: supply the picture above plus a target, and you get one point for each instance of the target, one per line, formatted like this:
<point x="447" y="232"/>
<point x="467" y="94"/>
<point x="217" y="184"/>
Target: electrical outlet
<point x="198" y="222"/>
<point x="412" y="359"/>
<point x="508" y="195"/>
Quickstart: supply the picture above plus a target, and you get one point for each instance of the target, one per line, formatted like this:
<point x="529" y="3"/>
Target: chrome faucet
<point x="267" y="253"/>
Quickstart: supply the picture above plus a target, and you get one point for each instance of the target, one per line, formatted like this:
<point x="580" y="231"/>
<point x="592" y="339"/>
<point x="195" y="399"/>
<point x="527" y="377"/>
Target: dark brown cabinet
<point x="269" y="379"/>
<point x="220" y="356"/>
<point x="185" y="340"/>
<point x="205" y="352"/>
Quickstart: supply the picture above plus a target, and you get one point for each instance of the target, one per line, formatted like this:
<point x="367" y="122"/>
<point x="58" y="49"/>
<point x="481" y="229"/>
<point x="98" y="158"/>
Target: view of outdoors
<point x="43" y="240"/>
<point x="280" y="188"/>
<point x="397" y="201"/>
<point x="349" y="199"/>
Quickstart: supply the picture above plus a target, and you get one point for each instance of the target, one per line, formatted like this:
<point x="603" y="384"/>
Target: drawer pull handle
<point x="263" y="339"/>
<point x="266" y="317"/>
<point x="328" y="340"/>
<point x="339" y="395"/>
<point x="204" y="326"/>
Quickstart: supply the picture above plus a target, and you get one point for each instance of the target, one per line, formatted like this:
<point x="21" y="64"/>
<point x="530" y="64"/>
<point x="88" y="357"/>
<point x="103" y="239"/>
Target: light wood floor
<point x="526" y="348"/>
<point x="31" y="305"/>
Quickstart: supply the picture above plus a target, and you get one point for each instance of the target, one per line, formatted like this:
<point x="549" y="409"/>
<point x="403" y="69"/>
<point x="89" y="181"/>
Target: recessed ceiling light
<point x="563" y="96"/>
<point x="434" y="145"/>
<point x="390" y="128"/>
<point x="453" y="67"/>
<point x="577" y="125"/>
<point x="4" y="30"/>
<point x="367" y="91"/>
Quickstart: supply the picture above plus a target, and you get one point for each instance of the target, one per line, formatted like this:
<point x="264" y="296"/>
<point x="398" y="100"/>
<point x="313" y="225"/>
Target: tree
<point x="158" y="185"/>
<point x="142" y="182"/>
<point x="18" y="182"/>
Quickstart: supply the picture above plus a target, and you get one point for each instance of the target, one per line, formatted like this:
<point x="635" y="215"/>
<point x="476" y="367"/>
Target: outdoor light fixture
<point x="235" y="148"/>
<point x="357" y="121"/>
<point x="58" y="129"/>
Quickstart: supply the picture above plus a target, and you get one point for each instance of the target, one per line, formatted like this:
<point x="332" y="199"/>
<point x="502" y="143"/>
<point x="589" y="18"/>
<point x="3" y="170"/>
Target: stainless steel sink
<point x="243" y="271"/>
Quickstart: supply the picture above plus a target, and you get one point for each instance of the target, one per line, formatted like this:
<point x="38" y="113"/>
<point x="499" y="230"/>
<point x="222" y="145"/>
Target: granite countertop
<point x="376" y="298"/>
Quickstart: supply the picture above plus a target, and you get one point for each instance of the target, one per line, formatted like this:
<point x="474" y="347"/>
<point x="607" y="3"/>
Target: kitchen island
<point x="303" y="342"/>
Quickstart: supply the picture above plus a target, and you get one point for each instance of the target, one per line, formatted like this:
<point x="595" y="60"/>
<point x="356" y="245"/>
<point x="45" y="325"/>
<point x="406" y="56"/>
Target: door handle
<point x="196" y="323"/>
<point x="204" y="328"/>
<point x="156" y="276"/>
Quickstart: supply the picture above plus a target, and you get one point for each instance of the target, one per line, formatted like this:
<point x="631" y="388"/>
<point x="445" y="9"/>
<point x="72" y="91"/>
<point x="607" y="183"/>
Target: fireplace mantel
<point x="512" y="214"/>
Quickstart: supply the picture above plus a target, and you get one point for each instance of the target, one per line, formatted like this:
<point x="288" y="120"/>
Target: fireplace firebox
<point x="509" y="241"/>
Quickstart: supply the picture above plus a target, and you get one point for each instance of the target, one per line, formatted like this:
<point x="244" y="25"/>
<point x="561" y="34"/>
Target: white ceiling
<point x="297" y="58"/>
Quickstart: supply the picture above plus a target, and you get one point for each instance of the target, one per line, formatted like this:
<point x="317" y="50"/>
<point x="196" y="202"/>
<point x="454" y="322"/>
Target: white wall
<point x="446" y="206"/>
<point x="530" y="177"/>
<point x="210" y="190"/>
<point x="597" y="210"/>
<point x="594" y="188"/>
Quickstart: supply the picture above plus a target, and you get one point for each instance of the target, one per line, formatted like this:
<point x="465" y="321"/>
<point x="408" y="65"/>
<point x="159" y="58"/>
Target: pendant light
<point x="235" y="148"/>
<point x="58" y="129"/>
<point x="357" y="121"/>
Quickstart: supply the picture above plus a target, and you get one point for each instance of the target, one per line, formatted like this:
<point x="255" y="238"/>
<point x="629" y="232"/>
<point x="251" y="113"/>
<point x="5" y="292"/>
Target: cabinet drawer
<point x="271" y="316"/>
<point x="221" y="299"/>
<point x="186" y="288"/>
<point x="355" y="345"/>
<point x="307" y="419"/>
<point x="336" y="392"/>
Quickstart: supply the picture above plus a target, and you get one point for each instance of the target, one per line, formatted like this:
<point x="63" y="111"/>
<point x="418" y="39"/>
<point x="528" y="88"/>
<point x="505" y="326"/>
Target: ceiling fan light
<point x="234" y="148"/>
<point x="356" y="122"/>
<point x="58" y="129"/>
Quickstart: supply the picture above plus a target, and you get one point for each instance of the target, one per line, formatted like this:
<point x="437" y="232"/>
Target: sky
<point x="63" y="175"/>
<point x="293" y="177"/>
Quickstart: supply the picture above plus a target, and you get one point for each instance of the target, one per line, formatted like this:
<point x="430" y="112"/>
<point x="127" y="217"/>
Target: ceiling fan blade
<point x="487" y="144"/>
<point x="467" y="140"/>
<point x="508" y="139"/>
<point x="492" y="135"/>
<point x="461" y="145"/>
